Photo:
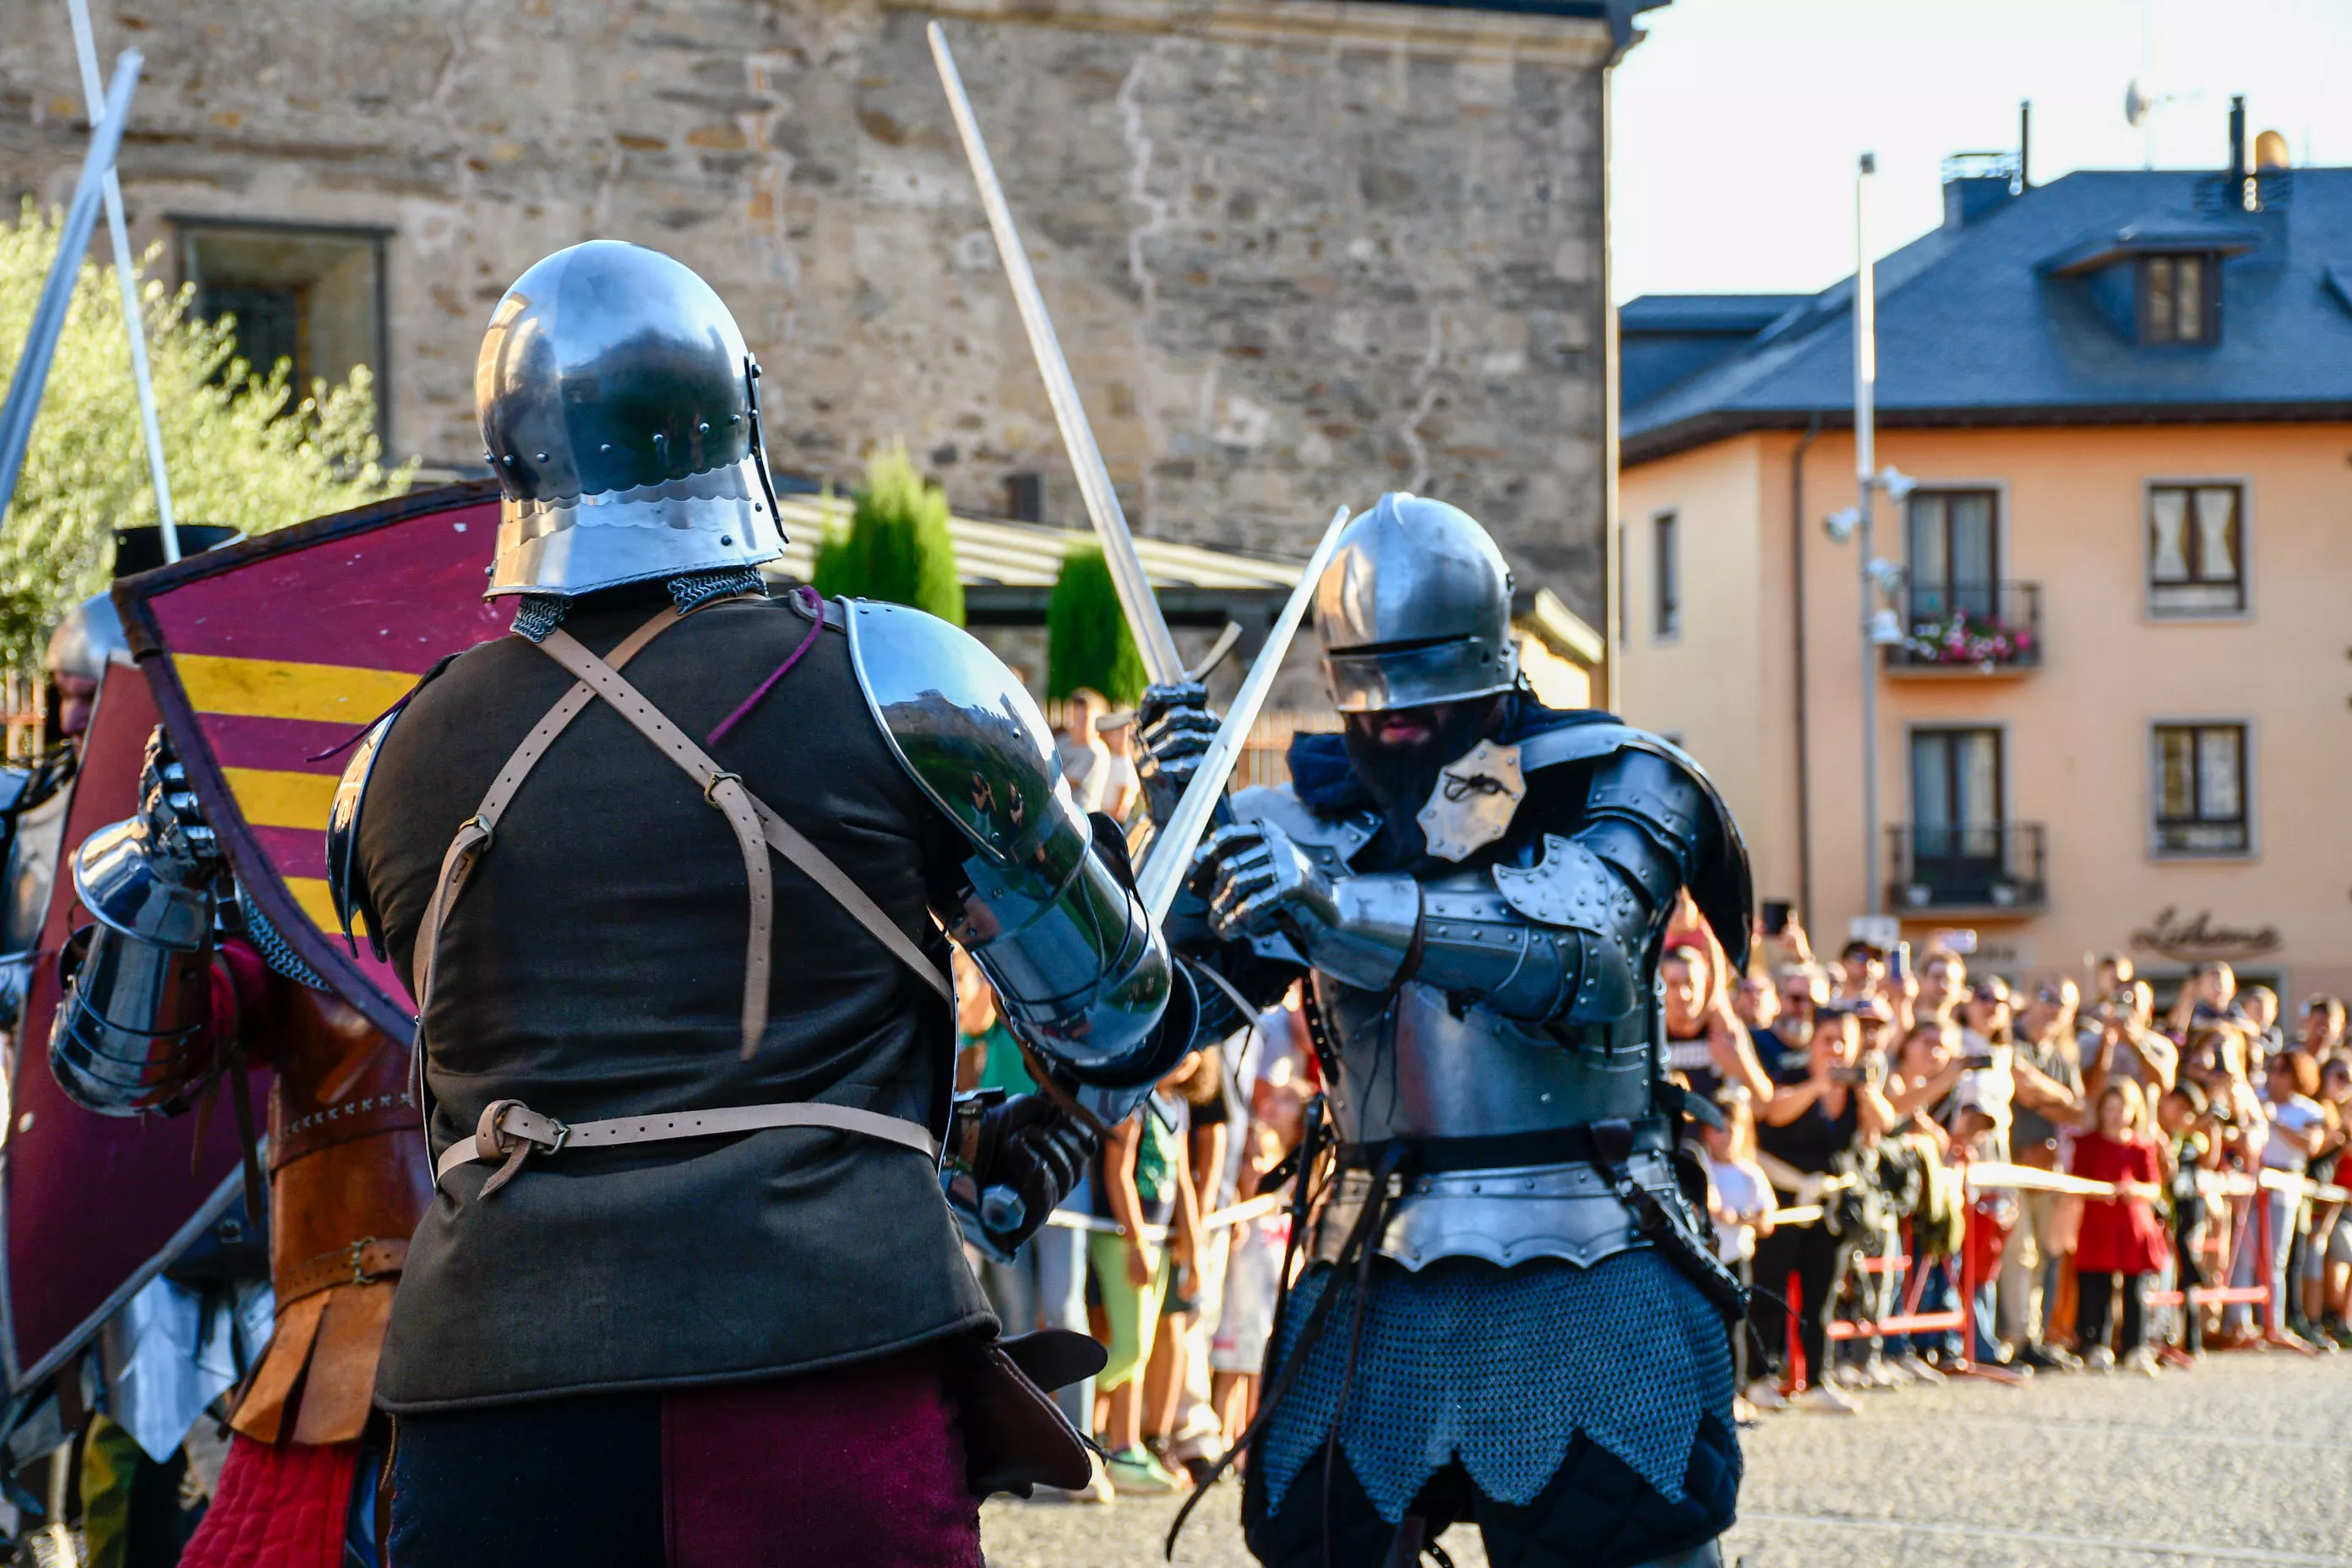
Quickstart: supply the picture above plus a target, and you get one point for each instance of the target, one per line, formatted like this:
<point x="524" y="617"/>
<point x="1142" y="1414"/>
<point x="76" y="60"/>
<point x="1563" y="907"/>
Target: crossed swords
<point x="1170" y="853"/>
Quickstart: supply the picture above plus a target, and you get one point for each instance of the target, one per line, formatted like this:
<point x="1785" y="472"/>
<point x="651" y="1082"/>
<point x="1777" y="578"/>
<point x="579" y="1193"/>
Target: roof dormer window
<point x="2179" y="297"/>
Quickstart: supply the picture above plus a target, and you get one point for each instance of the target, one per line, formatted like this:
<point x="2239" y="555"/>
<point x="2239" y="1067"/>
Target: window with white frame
<point x="2196" y="549"/>
<point x="2203" y="804"/>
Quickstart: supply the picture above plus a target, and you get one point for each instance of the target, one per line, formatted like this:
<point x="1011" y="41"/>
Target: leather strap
<point x="390" y="1111"/>
<point x="511" y="1131"/>
<point x="364" y="1260"/>
<point x="458" y="863"/>
<point x="721" y="789"/>
<point x="781" y="836"/>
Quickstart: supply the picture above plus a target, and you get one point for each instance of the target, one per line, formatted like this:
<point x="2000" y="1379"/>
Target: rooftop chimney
<point x="2237" y="140"/>
<point x="1977" y="182"/>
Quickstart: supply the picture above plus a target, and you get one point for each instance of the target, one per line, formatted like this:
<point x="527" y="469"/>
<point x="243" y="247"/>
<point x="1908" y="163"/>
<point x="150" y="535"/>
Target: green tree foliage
<point x="240" y="447"/>
<point x="1087" y="639"/>
<point x="897" y="546"/>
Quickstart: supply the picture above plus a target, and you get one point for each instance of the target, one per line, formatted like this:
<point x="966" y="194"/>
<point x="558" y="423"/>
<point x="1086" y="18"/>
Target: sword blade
<point x="1127" y="573"/>
<point x="24" y="400"/>
<point x="1171" y="855"/>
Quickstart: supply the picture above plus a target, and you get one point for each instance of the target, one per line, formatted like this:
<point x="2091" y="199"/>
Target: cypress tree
<point x="1087" y="640"/>
<point x="897" y="547"/>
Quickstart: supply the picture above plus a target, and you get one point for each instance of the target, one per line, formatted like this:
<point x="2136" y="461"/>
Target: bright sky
<point x="1738" y="122"/>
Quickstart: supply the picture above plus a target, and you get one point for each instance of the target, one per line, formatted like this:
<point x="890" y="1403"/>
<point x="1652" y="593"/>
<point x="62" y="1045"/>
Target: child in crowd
<point x="1143" y="1182"/>
<point x="1740" y="1201"/>
<point x="2180" y="1115"/>
<point x="2119" y="1235"/>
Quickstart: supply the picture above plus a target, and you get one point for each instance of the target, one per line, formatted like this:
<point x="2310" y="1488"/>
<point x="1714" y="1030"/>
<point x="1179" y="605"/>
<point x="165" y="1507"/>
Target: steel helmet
<point x="1414" y="608"/>
<point x="620" y="410"/>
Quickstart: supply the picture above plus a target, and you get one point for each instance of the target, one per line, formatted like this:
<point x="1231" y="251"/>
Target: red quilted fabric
<point x="277" y="1506"/>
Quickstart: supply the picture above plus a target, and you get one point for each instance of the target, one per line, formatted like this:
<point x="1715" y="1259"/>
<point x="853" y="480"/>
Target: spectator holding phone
<point x="1822" y="1105"/>
<point x="2120" y="1240"/>
<point x="1756" y="1003"/>
<point x="1705" y="1043"/>
<point x="2297" y="1129"/>
<point x="2322" y="1029"/>
<point x="2210" y="998"/>
<point x="2181" y="1116"/>
<point x="1943" y="985"/>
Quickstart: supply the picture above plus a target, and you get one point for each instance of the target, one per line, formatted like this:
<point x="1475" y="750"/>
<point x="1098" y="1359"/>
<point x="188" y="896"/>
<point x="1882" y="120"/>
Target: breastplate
<point x="1415" y="1063"/>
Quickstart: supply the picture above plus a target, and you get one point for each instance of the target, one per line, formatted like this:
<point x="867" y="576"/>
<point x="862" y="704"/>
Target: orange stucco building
<point x="2113" y="680"/>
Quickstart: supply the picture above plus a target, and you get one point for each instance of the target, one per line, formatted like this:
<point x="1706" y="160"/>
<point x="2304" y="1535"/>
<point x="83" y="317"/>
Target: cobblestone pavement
<point x="2248" y="1459"/>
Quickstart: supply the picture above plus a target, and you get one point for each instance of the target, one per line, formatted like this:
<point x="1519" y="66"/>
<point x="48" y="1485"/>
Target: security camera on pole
<point x="1880" y="626"/>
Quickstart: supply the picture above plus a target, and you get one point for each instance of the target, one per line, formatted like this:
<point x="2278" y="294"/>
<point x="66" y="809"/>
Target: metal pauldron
<point x="1507" y="1216"/>
<point x="1081" y="973"/>
<point x="134" y="1031"/>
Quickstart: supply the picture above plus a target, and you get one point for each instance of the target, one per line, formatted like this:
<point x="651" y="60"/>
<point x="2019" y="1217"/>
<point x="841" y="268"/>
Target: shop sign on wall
<point x="2198" y="938"/>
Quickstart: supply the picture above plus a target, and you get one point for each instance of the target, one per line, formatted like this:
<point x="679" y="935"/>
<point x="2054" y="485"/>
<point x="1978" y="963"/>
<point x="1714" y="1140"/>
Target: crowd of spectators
<point x="1857" y="1089"/>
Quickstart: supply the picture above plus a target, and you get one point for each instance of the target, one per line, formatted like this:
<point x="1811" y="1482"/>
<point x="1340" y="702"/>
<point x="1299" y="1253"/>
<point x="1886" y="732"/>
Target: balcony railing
<point x="1989" y="867"/>
<point x="1981" y="628"/>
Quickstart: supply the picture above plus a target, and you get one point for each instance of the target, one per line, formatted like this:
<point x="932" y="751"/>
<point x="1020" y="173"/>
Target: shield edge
<point x="21" y="1380"/>
<point x="262" y="880"/>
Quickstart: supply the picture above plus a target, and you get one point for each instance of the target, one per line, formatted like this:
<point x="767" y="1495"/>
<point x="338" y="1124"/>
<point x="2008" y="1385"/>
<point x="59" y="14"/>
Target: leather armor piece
<point x="346" y="1189"/>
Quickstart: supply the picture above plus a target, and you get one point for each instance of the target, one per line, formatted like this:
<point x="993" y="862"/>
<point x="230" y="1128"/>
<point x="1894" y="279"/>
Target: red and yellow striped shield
<point x="270" y="658"/>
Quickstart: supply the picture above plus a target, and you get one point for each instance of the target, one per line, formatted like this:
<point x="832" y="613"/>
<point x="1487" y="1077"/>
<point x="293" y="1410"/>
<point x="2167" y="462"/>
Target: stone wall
<point x="1299" y="252"/>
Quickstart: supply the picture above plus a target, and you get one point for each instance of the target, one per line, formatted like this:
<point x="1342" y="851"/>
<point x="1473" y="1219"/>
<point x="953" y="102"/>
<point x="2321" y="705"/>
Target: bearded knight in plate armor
<point x="1508" y="1312"/>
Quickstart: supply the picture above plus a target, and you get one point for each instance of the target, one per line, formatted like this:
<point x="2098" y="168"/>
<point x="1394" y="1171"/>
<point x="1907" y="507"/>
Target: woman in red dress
<point x="2119" y="1235"/>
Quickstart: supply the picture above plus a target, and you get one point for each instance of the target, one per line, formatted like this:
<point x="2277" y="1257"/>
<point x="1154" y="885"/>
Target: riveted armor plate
<point x="1568" y="886"/>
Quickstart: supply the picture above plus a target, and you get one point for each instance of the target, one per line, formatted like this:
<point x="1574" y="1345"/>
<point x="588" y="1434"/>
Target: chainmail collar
<point x="540" y="614"/>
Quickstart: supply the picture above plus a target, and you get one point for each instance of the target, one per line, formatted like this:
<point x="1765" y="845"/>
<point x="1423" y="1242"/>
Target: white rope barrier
<point x="1240" y="1214"/>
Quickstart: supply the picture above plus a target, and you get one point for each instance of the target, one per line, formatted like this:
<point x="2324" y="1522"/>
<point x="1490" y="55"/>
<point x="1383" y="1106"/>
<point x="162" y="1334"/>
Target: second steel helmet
<point x="1414" y="608"/>
<point x="620" y="411"/>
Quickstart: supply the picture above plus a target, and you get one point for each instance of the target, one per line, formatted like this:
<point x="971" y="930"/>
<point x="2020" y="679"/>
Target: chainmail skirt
<point x="1501" y="1368"/>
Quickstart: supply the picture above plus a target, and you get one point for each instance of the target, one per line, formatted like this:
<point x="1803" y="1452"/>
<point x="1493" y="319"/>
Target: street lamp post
<point x="1865" y="468"/>
<point x="1880" y="579"/>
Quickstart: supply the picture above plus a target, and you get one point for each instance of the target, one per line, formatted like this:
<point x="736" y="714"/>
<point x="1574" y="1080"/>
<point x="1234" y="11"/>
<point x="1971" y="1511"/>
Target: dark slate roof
<point x="2015" y="317"/>
<point x="1742" y="313"/>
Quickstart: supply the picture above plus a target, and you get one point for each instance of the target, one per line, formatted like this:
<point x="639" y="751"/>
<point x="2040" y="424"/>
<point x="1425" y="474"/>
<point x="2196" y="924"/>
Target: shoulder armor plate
<point x="963" y="728"/>
<point x="1568" y="886"/>
<point x="354" y="905"/>
<point x="1721" y="885"/>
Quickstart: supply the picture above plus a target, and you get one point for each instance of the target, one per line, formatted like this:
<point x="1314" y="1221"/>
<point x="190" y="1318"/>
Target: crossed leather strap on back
<point x="511" y="1130"/>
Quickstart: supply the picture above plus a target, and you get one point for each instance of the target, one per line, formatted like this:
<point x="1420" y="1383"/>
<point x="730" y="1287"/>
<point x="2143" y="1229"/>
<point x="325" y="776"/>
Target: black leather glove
<point x="1029" y="1154"/>
<point x="1174" y="727"/>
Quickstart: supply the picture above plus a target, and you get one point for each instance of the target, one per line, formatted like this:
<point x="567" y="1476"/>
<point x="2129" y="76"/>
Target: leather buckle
<point x="358" y="1249"/>
<point x="710" y="790"/>
<point x="494" y="1141"/>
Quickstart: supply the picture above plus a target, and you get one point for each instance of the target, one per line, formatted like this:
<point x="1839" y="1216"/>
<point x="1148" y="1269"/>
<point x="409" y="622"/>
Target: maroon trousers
<point x="858" y="1465"/>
